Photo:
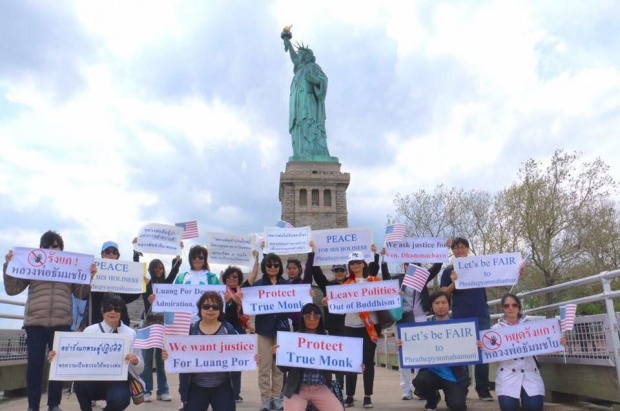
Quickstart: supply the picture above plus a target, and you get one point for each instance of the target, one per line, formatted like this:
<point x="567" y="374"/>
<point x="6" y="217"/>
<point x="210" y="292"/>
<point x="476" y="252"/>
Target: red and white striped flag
<point x="395" y="232"/>
<point x="177" y="323"/>
<point x="150" y="337"/>
<point x="567" y="316"/>
<point x="284" y="224"/>
<point x="190" y="229"/>
<point x="416" y="277"/>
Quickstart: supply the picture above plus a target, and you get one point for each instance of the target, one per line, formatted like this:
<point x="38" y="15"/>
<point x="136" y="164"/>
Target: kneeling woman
<point x="305" y="386"/>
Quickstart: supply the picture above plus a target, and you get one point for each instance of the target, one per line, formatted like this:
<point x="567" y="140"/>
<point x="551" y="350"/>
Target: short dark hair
<point x="196" y="251"/>
<point x="231" y="269"/>
<point x="50" y="237"/>
<point x="271" y="258"/>
<point x="297" y="263"/>
<point x="311" y="308"/>
<point x="215" y="298"/>
<point x="113" y="300"/>
<point x="459" y="240"/>
<point x="438" y="294"/>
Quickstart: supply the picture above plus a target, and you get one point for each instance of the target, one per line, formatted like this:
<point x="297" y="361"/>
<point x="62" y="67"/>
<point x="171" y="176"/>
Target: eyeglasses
<point x="460" y="247"/>
<point x="55" y="246"/>
<point x="232" y="277"/>
<point x="272" y="265"/>
<point x="513" y="305"/>
<point x="114" y="308"/>
<point x="110" y="251"/>
<point x="312" y="316"/>
<point x="355" y="262"/>
<point x="207" y="307"/>
<point x="198" y="257"/>
<point x="339" y="270"/>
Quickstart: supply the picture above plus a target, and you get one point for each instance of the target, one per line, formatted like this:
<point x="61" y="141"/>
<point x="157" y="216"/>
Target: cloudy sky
<point x="115" y="114"/>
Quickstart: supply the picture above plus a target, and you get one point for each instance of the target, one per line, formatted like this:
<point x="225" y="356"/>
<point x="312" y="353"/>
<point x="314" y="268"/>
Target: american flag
<point x="177" y="323"/>
<point x="190" y="229"/>
<point x="416" y="277"/>
<point x="395" y="232"/>
<point x="567" y="316"/>
<point x="284" y="224"/>
<point x="150" y="337"/>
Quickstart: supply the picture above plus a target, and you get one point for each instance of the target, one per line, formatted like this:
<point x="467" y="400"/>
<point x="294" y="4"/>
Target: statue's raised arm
<point x="286" y="38"/>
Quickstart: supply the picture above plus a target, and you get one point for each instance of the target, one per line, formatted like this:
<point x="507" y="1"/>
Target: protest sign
<point x="181" y="297"/>
<point x="90" y="356"/>
<point x="269" y="299"/>
<point x="210" y="353"/>
<point x="417" y="250"/>
<point x="334" y="246"/>
<point x="355" y="298"/>
<point x="283" y="241"/>
<point x="159" y="239"/>
<point x="126" y="277"/>
<point x="322" y="352"/>
<point x="523" y="340"/>
<point x="439" y="343"/>
<point x="491" y="270"/>
<point x="50" y="265"/>
<point x="231" y="249"/>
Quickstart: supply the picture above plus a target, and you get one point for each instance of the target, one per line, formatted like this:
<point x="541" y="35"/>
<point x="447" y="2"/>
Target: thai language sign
<point x="90" y="356"/>
<point x="50" y="265"/>
<point x="367" y="296"/>
<point x="491" y="270"/>
<point x="269" y="299"/>
<point x="334" y="246"/>
<point x="417" y="250"/>
<point x="230" y="248"/>
<point x="181" y="297"/>
<point x="159" y="239"/>
<point x="322" y="352"/>
<point x="210" y="353"/>
<point x="126" y="277"/>
<point x="439" y="343"/>
<point x="523" y="340"/>
<point x="283" y="241"/>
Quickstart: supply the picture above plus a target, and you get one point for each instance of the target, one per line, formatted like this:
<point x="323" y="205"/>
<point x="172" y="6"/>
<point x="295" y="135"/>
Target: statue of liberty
<point x="307" y="104"/>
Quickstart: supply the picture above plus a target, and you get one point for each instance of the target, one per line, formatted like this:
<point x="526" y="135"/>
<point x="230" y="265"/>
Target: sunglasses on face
<point x="207" y="307"/>
<point x="55" y="246"/>
<point x="272" y="265"/>
<point x="312" y="316"/>
<point x="198" y="257"/>
<point x="110" y="251"/>
<point x="356" y="262"/>
<point x="232" y="277"/>
<point x="112" y="308"/>
<point x="513" y="305"/>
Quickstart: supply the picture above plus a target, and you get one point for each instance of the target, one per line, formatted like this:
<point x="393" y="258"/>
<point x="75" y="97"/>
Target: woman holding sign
<point x="518" y="380"/>
<point x="305" y="386"/>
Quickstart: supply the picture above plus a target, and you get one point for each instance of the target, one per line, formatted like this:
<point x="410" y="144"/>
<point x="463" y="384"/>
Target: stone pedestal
<point x="314" y="194"/>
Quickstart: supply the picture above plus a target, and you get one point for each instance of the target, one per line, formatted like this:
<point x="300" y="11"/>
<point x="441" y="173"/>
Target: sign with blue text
<point x="493" y="270"/>
<point x="284" y="241"/>
<point x="114" y="276"/>
<point x="50" y="265"/>
<point x="417" y="250"/>
<point x="334" y="246"/>
<point x="182" y="297"/>
<point x="233" y="249"/>
<point x="365" y="296"/>
<point x="159" y="239"/>
<point x="271" y="299"/>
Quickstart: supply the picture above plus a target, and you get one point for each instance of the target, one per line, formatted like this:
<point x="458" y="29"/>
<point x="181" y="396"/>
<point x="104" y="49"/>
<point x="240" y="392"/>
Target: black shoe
<point x="484" y="394"/>
<point x="348" y="402"/>
<point x="367" y="402"/>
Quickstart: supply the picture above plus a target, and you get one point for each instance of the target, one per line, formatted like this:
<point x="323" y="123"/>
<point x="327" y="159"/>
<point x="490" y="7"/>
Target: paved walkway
<point x="387" y="397"/>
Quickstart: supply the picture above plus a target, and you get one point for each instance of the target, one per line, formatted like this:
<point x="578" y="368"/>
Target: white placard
<point x="493" y="270"/>
<point x="523" y="340"/>
<point x="417" y="250"/>
<point x="334" y="246"/>
<point x="359" y="297"/>
<point x="50" y="265"/>
<point x="284" y="241"/>
<point x="182" y="297"/>
<point x="270" y="299"/>
<point x="323" y="352"/>
<point x="159" y="239"/>
<point x="439" y="343"/>
<point x="234" y="249"/>
<point x="90" y="356"/>
<point x="210" y="353"/>
<point x="125" y="277"/>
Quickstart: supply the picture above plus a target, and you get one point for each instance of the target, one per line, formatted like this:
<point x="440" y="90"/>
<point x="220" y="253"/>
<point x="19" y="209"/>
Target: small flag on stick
<point x="567" y="316"/>
<point x="416" y="277"/>
<point x="395" y="232"/>
<point x="190" y="229"/>
<point x="177" y="323"/>
<point x="150" y="337"/>
<point x="284" y="224"/>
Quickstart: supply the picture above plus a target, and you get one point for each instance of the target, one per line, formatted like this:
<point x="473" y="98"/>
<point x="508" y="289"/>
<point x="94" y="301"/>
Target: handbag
<point x="385" y="318"/>
<point x="136" y="388"/>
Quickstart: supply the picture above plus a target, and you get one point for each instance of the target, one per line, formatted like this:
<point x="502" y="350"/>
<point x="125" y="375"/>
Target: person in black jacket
<point x="304" y="386"/>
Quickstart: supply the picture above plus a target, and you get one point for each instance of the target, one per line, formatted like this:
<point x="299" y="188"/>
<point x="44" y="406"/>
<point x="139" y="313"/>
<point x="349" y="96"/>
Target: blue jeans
<point x="37" y="340"/>
<point x="115" y="393"/>
<point x="481" y="371"/>
<point x="220" y="398"/>
<point x="533" y="403"/>
<point x="147" y="374"/>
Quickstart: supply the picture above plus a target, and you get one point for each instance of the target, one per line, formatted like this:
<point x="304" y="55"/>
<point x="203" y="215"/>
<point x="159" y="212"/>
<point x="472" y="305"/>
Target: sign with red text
<point x="321" y="352"/>
<point x="417" y="250"/>
<point x="159" y="239"/>
<point x="493" y="270"/>
<point x="125" y="277"/>
<point x="523" y="340"/>
<point x="334" y="246"/>
<point x="270" y="299"/>
<point x="210" y="353"/>
<point x="366" y="296"/>
<point x="50" y="265"/>
<point x="284" y="241"/>
<point x="182" y="297"/>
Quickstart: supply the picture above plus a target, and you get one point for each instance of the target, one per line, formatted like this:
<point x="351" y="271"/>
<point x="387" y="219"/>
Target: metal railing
<point x="12" y="342"/>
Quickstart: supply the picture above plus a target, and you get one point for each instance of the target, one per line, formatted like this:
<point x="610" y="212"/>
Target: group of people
<point x="518" y="381"/>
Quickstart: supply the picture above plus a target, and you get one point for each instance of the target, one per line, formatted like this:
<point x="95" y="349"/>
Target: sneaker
<point x="239" y="399"/>
<point x="430" y="409"/>
<point x="100" y="403"/>
<point x="54" y="408"/>
<point x="485" y="395"/>
<point x="181" y="407"/>
<point x="348" y="402"/>
<point x="406" y="396"/>
<point x="163" y="397"/>
<point x="367" y="402"/>
<point x="266" y="405"/>
<point x="277" y="404"/>
<point x="147" y="398"/>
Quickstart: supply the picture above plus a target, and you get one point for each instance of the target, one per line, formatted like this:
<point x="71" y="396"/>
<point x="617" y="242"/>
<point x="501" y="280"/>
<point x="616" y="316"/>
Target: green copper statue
<point x="307" y="104"/>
